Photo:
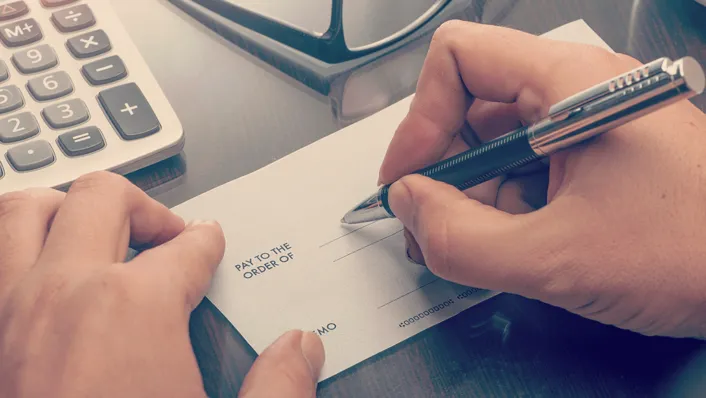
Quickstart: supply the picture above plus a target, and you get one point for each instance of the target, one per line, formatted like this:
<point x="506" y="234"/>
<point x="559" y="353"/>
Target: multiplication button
<point x="129" y="111"/>
<point x="89" y="44"/>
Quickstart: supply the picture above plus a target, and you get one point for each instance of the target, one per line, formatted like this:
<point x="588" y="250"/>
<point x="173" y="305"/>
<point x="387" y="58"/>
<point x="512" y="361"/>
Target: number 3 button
<point x="66" y="114"/>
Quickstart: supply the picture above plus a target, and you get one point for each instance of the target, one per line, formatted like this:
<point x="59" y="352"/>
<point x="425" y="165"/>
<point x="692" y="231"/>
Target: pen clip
<point x="564" y="109"/>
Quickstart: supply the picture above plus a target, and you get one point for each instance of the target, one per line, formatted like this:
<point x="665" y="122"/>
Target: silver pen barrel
<point x="616" y="102"/>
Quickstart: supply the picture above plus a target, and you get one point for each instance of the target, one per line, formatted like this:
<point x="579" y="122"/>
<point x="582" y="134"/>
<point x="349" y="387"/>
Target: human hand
<point x="613" y="231"/>
<point x="78" y="321"/>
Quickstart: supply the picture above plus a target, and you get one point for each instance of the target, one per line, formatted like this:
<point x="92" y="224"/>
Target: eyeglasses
<point x="392" y="21"/>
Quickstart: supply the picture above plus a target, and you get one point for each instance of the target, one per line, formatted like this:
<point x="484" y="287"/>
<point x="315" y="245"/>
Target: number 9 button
<point x="35" y="59"/>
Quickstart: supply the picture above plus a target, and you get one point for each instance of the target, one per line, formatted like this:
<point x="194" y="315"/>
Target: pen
<point x="572" y="121"/>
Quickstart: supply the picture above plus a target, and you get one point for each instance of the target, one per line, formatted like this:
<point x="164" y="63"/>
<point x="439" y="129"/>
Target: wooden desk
<point x="508" y="346"/>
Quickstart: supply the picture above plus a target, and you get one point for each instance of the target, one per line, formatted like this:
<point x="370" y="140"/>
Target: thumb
<point x="467" y="242"/>
<point x="288" y="368"/>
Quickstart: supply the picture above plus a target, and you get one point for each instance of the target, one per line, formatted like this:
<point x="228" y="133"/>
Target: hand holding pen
<point x="609" y="230"/>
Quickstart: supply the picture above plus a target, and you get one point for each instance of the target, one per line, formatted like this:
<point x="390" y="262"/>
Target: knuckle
<point x="447" y="32"/>
<point x="101" y="181"/>
<point x="12" y="202"/>
<point x="117" y="284"/>
<point x="610" y="61"/>
<point x="51" y="288"/>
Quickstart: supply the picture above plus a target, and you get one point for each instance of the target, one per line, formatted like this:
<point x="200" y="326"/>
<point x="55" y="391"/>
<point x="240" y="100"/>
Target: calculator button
<point x="105" y="70"/>
<point x="20" y="33"/>
<point x="50" y="87"/>
<point x="74" y="18"/>
<point x="66" y="114"/>
<point x="82" y="141"/>
<point x="31" y="156"/>
<point x="129" y="111"/>
<point x="35" y="59"/>
<point x="89" y="44"/>
<point x="13" y="10"/>
<point x="4" y="73"/>
<point x="10" y="99"/>
<point x="57" y="3"/>
<point x="18" y="127"/>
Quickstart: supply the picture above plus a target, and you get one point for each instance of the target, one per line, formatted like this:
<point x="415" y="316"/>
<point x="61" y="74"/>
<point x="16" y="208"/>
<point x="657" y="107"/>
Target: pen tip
<point x="343" y="220"/>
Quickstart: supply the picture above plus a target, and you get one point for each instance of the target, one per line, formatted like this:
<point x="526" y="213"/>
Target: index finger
<point x="101" y="214"/>
<point x="467" y="61"/>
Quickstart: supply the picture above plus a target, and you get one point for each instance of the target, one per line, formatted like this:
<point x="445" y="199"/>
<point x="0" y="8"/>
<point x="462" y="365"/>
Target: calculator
<point x="75" y="96"/>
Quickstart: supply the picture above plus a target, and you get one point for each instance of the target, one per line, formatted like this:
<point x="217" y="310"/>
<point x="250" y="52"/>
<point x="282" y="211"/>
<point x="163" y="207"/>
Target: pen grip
<point x="480" y="164"/>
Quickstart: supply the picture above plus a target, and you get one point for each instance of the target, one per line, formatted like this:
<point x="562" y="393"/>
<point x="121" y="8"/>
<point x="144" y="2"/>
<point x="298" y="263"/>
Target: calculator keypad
<point x="13" y="10"/>
<point x="35" y="59"/>
<point x="18" y="127"/>
<point x="66" y="114"/>
<point x="20" y="33"/>
<point x="49" y="87"/>
<point x="74" y="18"/>
<point x="10" y="99"/>
<point x="53" y="58"/>
<point x="89" y="44"/>
<point x="31" y="156"/>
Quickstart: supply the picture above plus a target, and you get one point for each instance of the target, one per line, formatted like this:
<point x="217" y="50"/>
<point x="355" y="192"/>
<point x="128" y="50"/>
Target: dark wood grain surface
<point x="240" y="114"/>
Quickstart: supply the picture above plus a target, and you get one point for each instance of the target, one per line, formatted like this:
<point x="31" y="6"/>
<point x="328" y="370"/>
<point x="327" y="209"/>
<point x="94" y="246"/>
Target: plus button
<point x="129" y="108"/>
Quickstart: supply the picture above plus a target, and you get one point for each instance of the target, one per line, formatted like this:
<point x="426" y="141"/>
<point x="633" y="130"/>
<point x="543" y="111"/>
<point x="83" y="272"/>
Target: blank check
<point x="290" y="264"/>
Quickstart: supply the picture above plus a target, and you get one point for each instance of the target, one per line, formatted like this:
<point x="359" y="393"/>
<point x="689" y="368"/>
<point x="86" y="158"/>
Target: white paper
<point x="355" y="287"/>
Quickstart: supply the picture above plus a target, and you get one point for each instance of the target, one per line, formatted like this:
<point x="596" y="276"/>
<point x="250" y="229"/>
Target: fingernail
<point x="409" y="258"/>
<point x="313" y="351"/>
<point x="414" y="253"/>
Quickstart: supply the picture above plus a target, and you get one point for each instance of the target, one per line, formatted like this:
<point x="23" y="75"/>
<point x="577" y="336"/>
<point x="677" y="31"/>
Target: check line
<point x="407" y="294"/>
<point x="368" y="245"/>
<point x="343" y="236"/>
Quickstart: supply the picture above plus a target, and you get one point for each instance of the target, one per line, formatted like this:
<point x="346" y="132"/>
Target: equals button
<point x="105" y="71"/>
<point x="82" y="141"/>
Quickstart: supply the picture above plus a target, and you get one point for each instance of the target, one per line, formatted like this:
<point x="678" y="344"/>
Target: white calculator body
<point x="75" y="96"/>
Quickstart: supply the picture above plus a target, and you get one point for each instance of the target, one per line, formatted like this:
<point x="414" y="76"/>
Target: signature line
<point x="368" y="245"/>
<point x="407" y="294"/>
<point x="343" y="236"/>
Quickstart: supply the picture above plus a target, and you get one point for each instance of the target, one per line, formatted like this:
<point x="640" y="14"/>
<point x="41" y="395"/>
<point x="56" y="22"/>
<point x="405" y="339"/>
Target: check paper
<point x="290" y="264"/>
